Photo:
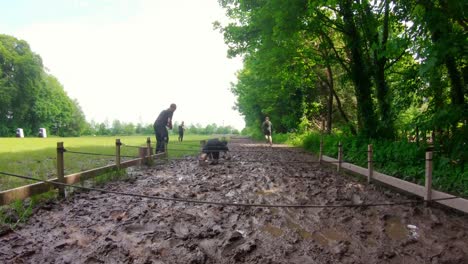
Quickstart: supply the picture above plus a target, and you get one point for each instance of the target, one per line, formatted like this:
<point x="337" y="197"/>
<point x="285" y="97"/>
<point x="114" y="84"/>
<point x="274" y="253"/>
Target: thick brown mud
<point x="94" y="227"/>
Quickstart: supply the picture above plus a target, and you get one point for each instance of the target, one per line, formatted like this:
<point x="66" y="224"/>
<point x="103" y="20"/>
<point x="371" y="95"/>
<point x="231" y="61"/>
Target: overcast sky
<point x="130" y="59"/>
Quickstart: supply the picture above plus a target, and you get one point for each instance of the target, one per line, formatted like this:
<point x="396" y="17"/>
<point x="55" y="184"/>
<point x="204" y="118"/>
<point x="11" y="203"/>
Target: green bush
<point x="401" y="159"/>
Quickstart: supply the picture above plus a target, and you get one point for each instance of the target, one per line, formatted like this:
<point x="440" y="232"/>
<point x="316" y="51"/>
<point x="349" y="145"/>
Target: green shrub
<point x="401" y="159"/>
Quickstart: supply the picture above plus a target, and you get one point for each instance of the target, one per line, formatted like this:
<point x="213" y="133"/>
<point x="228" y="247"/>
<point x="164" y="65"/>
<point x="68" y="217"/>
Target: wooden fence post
<point x="370" y="166"/>
<point x="60" y="169"/>
<point x="340" y="156"/>
<point x="148" y="146"/>
<point x="428" y="182"/>
<point x="117" y="153"/>
<point x="321" y="150"/>
<point x="148" y="151"/>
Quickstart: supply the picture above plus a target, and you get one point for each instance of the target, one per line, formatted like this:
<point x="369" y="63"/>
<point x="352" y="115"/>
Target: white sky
<point x="129" y="59"/>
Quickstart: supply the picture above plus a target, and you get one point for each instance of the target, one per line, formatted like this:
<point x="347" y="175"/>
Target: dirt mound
<point x="93" y="227"/>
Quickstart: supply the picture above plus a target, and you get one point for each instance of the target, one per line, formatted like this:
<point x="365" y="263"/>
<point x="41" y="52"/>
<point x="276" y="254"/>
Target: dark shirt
<point x="215" y="145"/>
<point x="266" y="126"/>
<point x="163" y="117"/>
<point x="181" y="129"/>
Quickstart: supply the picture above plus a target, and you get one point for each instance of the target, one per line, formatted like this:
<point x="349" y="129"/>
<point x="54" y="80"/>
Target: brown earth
<point x="93" y="227"/>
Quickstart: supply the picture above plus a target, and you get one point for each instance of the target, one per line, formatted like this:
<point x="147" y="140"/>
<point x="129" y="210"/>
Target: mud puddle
<point x="92" y="227"/>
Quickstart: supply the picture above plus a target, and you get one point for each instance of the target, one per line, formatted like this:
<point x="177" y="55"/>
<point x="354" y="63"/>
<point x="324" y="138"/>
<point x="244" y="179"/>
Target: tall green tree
<point x="30" y="98"/>
<point x="387" y="51"/>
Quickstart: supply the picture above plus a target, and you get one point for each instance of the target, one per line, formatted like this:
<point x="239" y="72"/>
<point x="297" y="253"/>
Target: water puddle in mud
<point x="272" y="230"/>
<point x="298" y="228"/>
<point x="328" y="236"/>
<point x="274" y="210"/>
<point x="324" y="237"/>
<point x="267" y="192"/>
<point x="394" y="229"/>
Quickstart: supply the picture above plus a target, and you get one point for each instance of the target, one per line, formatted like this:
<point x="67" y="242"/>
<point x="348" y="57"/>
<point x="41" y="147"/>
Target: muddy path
<point x="93" y="227"/>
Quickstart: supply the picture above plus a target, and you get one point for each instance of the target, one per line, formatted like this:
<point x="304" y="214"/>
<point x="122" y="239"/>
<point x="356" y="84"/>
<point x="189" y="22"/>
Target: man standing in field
<point x="181" y="131"/>
<point x="266" y="128"/>
<point x="163" y="121"/>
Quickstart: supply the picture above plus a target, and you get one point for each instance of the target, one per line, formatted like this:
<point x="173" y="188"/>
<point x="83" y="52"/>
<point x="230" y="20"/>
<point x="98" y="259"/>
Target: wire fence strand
<point x="235" y="204"/>
<point x="97" y="154"/>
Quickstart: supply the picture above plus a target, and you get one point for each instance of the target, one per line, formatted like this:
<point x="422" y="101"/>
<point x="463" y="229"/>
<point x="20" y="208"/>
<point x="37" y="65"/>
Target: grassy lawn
<point x="36" y="157"/>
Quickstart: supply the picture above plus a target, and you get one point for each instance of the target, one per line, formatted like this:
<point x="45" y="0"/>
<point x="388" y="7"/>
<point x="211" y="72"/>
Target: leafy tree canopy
<point x="31" y="98"/>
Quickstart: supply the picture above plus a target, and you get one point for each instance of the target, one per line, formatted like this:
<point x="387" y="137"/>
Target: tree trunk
<point x="457" y="92"/>
<point x="386" y="120"/>
<point x="331" y="88"/>
<point x="329" y="112"/>
<point x="330" y="99"/>
<point x="435" y="24"/>
<point x="359" y="73"/>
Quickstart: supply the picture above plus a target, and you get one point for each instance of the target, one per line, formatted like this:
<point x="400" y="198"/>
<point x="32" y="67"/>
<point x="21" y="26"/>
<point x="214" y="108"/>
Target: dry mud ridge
<point x="94" y="227"/>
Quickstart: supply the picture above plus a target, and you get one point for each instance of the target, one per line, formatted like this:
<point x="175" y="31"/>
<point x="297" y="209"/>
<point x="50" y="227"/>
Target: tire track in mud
<point x="92" y="227"/>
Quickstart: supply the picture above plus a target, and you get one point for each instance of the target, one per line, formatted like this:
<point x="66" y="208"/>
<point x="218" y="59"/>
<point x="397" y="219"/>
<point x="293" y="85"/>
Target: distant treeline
<point x="31" y="98"/>
<point x="121" y="128"/>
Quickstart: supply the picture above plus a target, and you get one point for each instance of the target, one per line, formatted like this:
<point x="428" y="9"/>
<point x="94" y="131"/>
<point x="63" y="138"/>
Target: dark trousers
<point x="162" y="138"/>
<point x="181" y="136"/>
<point x="213" y="154"/>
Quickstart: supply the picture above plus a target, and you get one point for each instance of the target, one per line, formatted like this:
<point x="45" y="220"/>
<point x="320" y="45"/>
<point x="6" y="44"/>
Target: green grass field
<point x="36" y="157"/>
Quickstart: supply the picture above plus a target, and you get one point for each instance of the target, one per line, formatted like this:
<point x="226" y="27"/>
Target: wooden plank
<point x="130" y="163"/>
<point x="329" y="159"/>
<point x="409" y="187"/>
<point x="24" y="192"/>
<point x="355" y="168"/>
<point x="459" y="203"/>
<point x="84" y="175"/>
<point x="400" y="184"/>
<point x="392" y="181"/>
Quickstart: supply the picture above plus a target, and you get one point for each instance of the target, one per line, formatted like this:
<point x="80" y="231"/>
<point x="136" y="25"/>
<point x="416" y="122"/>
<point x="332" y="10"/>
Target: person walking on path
<point x="160" y="126"/>
<point x="181" y="131"/>
<point x="266" y="128"/>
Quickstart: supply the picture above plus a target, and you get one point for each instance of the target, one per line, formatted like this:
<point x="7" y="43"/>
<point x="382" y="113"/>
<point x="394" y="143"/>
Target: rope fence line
<point x="183" y="200"/>
<point x="239" y="151"/>
<point x="257" y="161"/>
<point x="130" y="146"/>
<point x="427" y="196"/>
<point x="384" y="161"/>
<point x="398" y="161"/>
<point x="97" y="154"/>
<point x="243" y="161"/>
<point x="260" y="161"/>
